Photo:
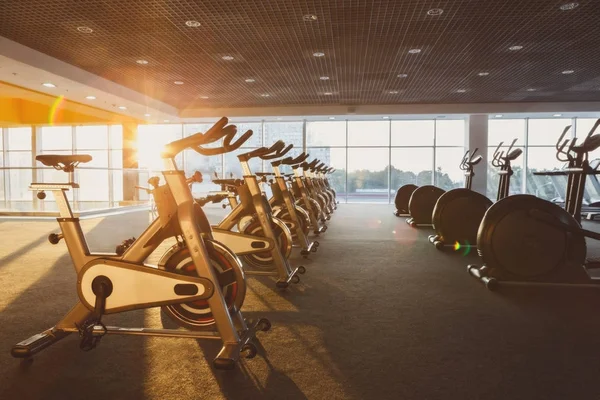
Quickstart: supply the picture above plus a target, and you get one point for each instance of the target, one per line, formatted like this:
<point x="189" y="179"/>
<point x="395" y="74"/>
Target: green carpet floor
<point x="379" y="315"/>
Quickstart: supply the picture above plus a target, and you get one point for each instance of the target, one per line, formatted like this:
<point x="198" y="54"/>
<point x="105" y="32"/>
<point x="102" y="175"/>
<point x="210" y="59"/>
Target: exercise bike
<point x="526" y="240"/>
<point x="458" y="212"/>
<point x="109" y="284"/>
<point x="305" y="200"/>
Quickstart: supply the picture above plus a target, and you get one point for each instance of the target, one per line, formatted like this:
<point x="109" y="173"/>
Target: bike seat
<point x="65" y="162"/>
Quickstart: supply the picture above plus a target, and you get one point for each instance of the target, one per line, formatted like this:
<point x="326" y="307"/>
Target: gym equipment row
<point x="200" y="282"/>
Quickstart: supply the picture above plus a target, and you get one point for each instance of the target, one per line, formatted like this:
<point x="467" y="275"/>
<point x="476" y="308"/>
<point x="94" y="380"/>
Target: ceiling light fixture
<point x="90" y="97"/>
<point x="393" y="92"/>
<point x="531" y="90"/>
<point x="122" y="108"/>
<point x="192" y="24"/>
<point x="435" y="11"/>
<point x="309" y="17"/>
<point x="324" y="78"/>
<point x="227" y="58"/>
<point x="319" y="54"/>
<point x="265" y="95"/>
<point x="165" y="120"/>
<point x="178" y="82"/>
<point x="204" y="97"/>
<point x="414" y="51"/>
<point x="461" y="91"/>
<point x="49" y="85"/>
<point x="249" y="80"/>
<point x="557" y="115"/>
<point x="146" y="115"/>
<point x="142" y="62"/>
<point x="515" y="48"/>
<point x="327" y="93"/>
<point x="569" y="6"/>
<point x="568" y="72"/>
<point x="498" y="115"/>
<point x="85" y="29"/>
<point x="402" y="75"/>
<point x="483" y="73"/>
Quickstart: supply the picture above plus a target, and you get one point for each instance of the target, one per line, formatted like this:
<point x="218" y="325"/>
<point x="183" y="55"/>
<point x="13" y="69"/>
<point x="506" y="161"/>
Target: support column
<point x="130" y="178"/>
<point x="476" y="136"/>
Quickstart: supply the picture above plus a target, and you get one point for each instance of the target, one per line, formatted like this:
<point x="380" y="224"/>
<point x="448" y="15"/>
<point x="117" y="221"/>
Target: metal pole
<point x="346" y="144"/>
<point x="525" y="159"/>
<point x="389" y="162"/>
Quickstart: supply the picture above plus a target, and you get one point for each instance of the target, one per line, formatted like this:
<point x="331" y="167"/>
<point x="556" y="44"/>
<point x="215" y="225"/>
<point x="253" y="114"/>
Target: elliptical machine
<point x="423" y="199"/>
<point x="458" y="212"/>
<point x="524" y="239"/>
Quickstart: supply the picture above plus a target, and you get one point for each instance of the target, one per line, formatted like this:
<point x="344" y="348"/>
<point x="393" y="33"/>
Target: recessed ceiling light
<point x="461" y="91"/>
<point x="227" y="58"/>
<point x="178" y="82"/>
<point x="331" y="117"/>
<point x="142" y="62"/>
<point x="309" y="17"/>
<point x="498" y="115"/>
<point x="414" y="51"/>
<point x="49" y="85"/>
<point x="249" y="80"/>
<point x="515" y="48"/>
<point x="531" y="89"/>
<point x="85" y="29"/>
<point x="557" y="115"/>
<point x="146" y="115"/>
<point x="204" y="97"/>
<point x="483" y="73"/>
<point x="393" y="92"/>
<point x="165" y="120"/>
<point x="324" y="78"/>
<point x="569" y="6"/>
<point x="568" y="72"/>
<point x="193" y="24"/>
<point x="386" y="117"/>
<point x="90" y="97"/>
<point x="327" y="93"/>
<point x="265" y="95"/>
<point x="402" y="75"/>
<point x="435" y="11"/>
<point x="319" y="54"/>
<point x="122" y="108"/>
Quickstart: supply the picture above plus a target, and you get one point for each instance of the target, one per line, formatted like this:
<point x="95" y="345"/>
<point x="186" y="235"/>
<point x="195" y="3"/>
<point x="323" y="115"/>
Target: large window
<point x="19" y="160"/>
<point x="412" y="153"/>
<point x="326" y="140"/>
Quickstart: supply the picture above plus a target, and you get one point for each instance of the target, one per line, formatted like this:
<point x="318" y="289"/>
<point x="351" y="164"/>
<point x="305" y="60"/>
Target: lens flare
<point x="467" y="248"/>
<point x="457" y="246"/>
<point x="55" y="109"/>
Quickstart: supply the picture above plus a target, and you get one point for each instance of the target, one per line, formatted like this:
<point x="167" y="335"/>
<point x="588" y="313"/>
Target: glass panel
<point x="368" y="175"/>
<point x="368" y="133"/>
<point x="493" y="179"/>
<point x="294" y="152"/>
<point x="99" y="159"/>
<point x="412" y="133"/>
<point x="450" y="133"/>
<point x="19" y="139"/>
<point x="91" y="137"/>
<point x="233" y="166"/>
<point x="506" y="130"/>
<point x="448" y="174"/>
<point x="93" y="185"/>
<point x="547" y="131"/>
<point x="20" y="179"/>
<point x="116" y="136"/>
<point x="116" y="159"/>
<point x="411" y="166"/>
<point x="256" y="140"/>
<point x="325" y="134"/>
<point x="117" y="182"/>
<point x="336" y="158"/>
<point x="19" y="159"/>
<point x="207" y="167"/>
<point x="289" y="132"/>
<point x="545" y="187"/>
<point x="583" y="127"/>
<point x="151" y="141"/>
<point x="56" y="137"/>
<point x="1" y="141"/>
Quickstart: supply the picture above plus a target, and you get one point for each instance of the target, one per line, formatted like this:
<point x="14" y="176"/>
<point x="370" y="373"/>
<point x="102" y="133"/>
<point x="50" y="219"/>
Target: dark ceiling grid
<point x="365" y="42"/>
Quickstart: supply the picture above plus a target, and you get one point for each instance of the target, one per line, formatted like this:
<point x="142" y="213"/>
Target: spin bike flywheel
<point x="264" y="260"/>
<point x="197" y="314"/>
<point x="303" y="218"/>
<point x="512" y="241"/>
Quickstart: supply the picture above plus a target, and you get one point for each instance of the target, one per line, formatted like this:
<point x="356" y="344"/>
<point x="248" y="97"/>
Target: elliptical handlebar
<point x="497" y="156"/>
